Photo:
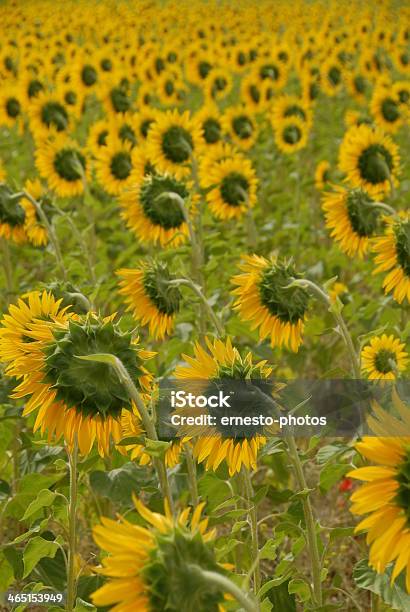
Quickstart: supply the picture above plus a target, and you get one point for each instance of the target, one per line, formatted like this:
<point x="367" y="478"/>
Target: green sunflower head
<point x="11" y="211"/>
<point x="364" y="218"/>
<point x="172" y="577"/>
<point x="70" y="164"/>
<point x="91" y="388"/>
<point x="71" y="297"/>
<point x="177" y="144"/>
<point x="156" y="285"/>
<point x="375" y="164"/>
<point x="289" y="304"/>
<point x="402" y="235"/>
<point x="54" y="114"/>
<point x="157" y="201"/>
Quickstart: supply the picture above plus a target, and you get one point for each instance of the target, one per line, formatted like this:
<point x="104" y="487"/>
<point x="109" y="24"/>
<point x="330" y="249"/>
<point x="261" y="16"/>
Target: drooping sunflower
<point x="233" y="186"/>
<point x="75" y="398"/>
<point x="241" y="127"/>
<point x="370" y="159"/>
<point x="149" y="296"/>
<point x="113" y="165"/>
<point x="173" y="140"/>
<point x="291" y="135"/>
<point x="352" y="219"/>
<point x="11" y="106"/>
<point x="63" y="164"/>
<point x="48" y="112"/>
<point x="153" y="214"/>
<point x="332" y="79"/>
<point x="222" y="361"/>
<point x="144" y="564"/>
<point x="209" y="118"/>
<point x="393" y="256"/>
<point x="385" y="495"/>
<point x="14" y="214"/>
<point x="264" y="298"/>
<point x="383" y="358"/>
<point x="386" y="109"/>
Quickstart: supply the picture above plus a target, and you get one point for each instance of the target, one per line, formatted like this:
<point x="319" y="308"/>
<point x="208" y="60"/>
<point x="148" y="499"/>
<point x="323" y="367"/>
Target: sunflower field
<point x="194" y="191"/>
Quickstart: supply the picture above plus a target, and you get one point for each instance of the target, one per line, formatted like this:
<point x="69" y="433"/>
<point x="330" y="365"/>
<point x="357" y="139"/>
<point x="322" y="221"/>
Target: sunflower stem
<point x="309" y="520"/>
<point x="319" y="292"/>
<point x="8" y="270"/>
<point x="191" y="469"/>
<point x="72" y="527"/>
<point x="187" y="282"/>
<point x="227" y="586"/>
<point x="51" y="232"/>
<point x="252" y="234"/>
<point x="149" y="427"/>
<point x="383" y="206"/>
<point x="253" y="519"/>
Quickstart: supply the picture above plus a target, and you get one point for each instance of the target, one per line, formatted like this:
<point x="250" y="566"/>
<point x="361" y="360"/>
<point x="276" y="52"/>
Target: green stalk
<point x="213" y="578"/>
<point x="51" y="232"/>
<point x="309" y="520"/>
<point x="148" y="425"/>
<point x="191" y="469"/>
<point x="72" y="528"/>
<point x="253" y="519"/>
<point x="307" y="284"/>
<point x="187" y="282"/>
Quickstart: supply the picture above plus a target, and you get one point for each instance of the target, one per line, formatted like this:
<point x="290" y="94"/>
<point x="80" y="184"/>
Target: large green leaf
<point x="394" y="595"/>
<point x="36" y="549"/>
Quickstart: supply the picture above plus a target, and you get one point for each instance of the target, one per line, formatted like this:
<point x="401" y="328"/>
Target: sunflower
<point x="287" y="106"/>
<point x="75" y="398"/>
<point x="291" y="135"/>
<point x="24" y="323"/>
<point x="223" y="361"/>
<point x="370" y="159"/>
<point x="144" y="120"/>
<point x="149" y="296"/>
<point x="86" y="73"/>
<point x="209" y="118"/>
<point x="199" y="66"/>
<point x="31" y="83"/>
<point x="232" y="186"/>
<point x="239" y="124"/>
<point x="113" y="165"/>
<point x="36" y="232"/>
<point x="256" y="95"/>
<point x="14" y="214"/>
<point x="383" y="358"/>
<point x="132" y="428"/>
<point x="270" y="69"/>
<point x="125" y="127"/>
<point x="354" y="118"/>
<point x="11" y="106"/>
<point x="115" y="96"/>
<point x="218" y="84"/>
<point x="351" y="218"/>
<point x="48" y="112"/>
<point x="401" y="93"/>
<point x="386" y="109"/>
<point x="97" y="135"/>
<point x="264" y="298"/>
<point x="144" y="564"/>
<point x="173" y="140"/>
<point x="62" y="163"/>
<point x="331" y="76"/>
<point x="322" y="175"/>
<point x="358" y="86"/>
<point x="385" y="494"/>
<point x="154" y="215"/>
<point x="393" y="256"/>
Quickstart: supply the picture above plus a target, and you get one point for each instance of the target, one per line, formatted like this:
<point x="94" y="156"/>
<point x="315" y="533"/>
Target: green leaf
<point x="331" y="474"/>
<point x="37" y="549"/>
<point x="394" y="595"/>
<point x="213" y="489"/>
<point x="119" y="484"/>
<point x="43" y="500"/>
<point x="330" y="451"/>
<point x="341" y="532"/>
<point x="13" y="557"/>
<point x="298" y="587"/>
<point x="156" y="448"/>
<point x="266" y="606"/>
